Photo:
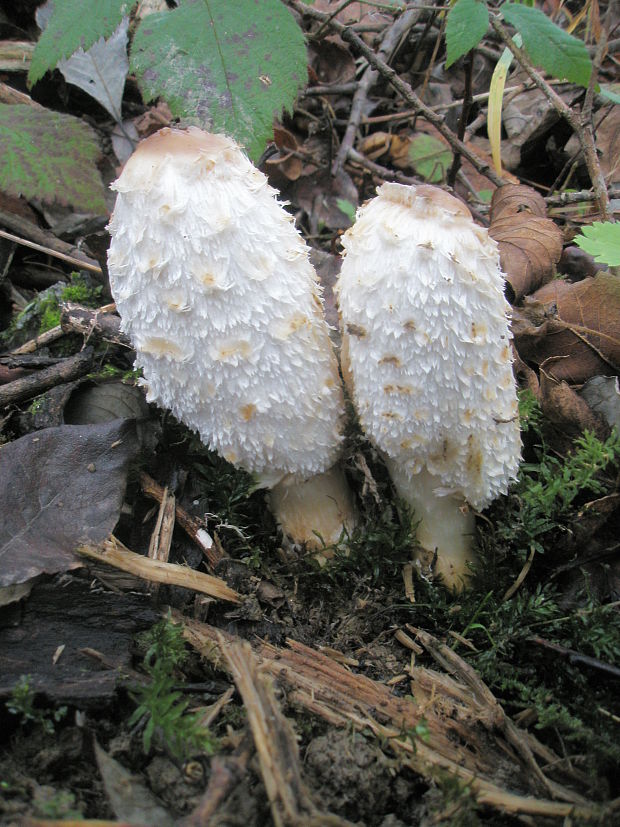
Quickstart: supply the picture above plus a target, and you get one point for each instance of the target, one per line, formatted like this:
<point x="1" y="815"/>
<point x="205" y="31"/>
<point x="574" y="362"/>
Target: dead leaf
<point x="60" y="487"/>
<point x="129" y="798"/>
<point x="286" y="160"/>
<point x="331" y="61"/>
<point x="530" y="245"/>
<point x="576" y="325"/>
<point x="565" y="408"/>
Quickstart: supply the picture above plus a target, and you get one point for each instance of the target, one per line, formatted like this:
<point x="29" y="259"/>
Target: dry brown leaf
<point x="330" y="61"/>
<point x="566" y="409"/>
<point x="530" y="245"/>
<point x="575" y="325"/>
<point x="287" y="161"/>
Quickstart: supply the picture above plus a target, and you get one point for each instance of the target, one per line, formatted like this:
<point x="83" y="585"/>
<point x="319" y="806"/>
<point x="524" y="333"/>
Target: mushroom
<point x="215" y="290"/>
<point x="427" y="358"/>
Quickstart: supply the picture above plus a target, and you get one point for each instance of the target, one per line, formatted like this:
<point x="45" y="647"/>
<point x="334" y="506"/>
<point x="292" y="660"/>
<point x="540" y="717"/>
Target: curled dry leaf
<point x="287" y="160"/>
<point x="530" y="245"/>
<point x="331" y="62"/>
<point x="575" y="325"/>
<point x="562" y="405"/>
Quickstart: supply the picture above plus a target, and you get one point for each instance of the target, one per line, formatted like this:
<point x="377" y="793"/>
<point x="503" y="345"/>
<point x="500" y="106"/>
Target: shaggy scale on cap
<point x="428" y="356"/>
<point x="215" y="289"/>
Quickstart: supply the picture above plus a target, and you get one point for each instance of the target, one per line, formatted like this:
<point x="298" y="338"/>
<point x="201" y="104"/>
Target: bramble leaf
<point x="601" y="240"/>
<point x="73" y="25"/>
<point x="560" y="54"/>
<point x="466" y="25"/>
<point x="229" y="67"/>
<point x="49" y="156"/>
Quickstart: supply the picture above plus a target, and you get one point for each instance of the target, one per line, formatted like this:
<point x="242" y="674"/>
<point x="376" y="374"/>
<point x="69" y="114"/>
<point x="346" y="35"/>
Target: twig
<point x="39" y="341"/>
<point x="582" y="130"/>
<point x="562" y="198"/>
<point x="193" y="526"/>
<point x="101" y="323"/>
<point x="403" y="89"/>
<point x="577" y="657"/>
<point x="383" y="172"/>
<point x="84" y="263"/>
<point x="275" y="743"/>
<point x="115" y="554"/>
<point x="68" y="370"/>
<point x="391" y="40"/>
<point x="463" y="117"/>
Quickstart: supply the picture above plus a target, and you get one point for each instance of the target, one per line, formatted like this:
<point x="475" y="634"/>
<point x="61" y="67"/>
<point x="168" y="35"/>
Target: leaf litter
<point x="459" y="709"/>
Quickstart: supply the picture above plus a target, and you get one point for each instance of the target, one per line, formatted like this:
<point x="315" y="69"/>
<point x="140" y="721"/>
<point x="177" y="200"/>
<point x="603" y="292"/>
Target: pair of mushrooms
<point x="215" y="289"/>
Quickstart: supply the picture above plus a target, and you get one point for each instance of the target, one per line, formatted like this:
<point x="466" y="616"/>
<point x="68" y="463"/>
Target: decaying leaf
<point x="530" y="245"/>
<point x="287" y="159"/>
<point x="60" y="487"/>
<point x="562" y="405"/>
<point x="51" y="157"/>
<point x="577" y="326"/>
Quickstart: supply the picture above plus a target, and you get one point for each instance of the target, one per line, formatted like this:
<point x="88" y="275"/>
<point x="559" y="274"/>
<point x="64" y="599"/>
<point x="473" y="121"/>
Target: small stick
<point x="74" y="318"/>
<point x="193" y="526"/>
<point x="66" y="371"/>
<point x="82" y="263"/>
<point x="403" y="88"/>
<point x="115" y="554"/>
<point x="39" y="341"/>
<point x="582" y="130"/>
<point x="391" y="40"/>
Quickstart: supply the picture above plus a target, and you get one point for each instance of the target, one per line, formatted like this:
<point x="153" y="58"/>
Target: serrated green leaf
<point x="73" y="25"/>
<point x="430" y="157"/>
<point x="601" y="240"/>
<point x="558" y="53"/>
<point x="51" y="157"/>
<point x="225" y="66"/>
<point x="466" y="25"/>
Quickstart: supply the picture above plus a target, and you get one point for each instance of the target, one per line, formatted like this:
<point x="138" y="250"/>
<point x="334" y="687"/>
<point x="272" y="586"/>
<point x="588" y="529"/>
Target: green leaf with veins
<point x="601" y="240"/>
<point x="51" y="157"/>
<point x="75" y="24"/>
<point x="225" y="66"/>
<point x="558" y="53"/>
<point x="467" y="23"/>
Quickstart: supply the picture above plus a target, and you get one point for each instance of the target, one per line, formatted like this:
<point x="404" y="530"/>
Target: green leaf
<point x="611" y="92"/>
<point x="75" y="24"/>
<point x="225" y="66"/>
<point x="430" y="157"/>
<point x="467" y="23"/>
<point x="51" y="157"/>
<point x="601" y="240"/>
<point x="560" y="54"/>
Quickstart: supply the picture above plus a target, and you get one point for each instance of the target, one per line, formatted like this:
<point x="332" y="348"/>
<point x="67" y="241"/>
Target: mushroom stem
<point x="315" y="511"/>
<point x="445" y="526"/>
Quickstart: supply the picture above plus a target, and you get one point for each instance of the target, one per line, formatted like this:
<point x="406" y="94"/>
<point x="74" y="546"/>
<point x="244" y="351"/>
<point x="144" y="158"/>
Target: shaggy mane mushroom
<point x="427" y="358"/>
<point x="215" y="289"/>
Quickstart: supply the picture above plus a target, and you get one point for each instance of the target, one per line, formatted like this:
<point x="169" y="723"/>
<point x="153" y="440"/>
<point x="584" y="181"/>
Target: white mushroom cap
<point x="217" y="294"/>
<point x="425" y="324"/>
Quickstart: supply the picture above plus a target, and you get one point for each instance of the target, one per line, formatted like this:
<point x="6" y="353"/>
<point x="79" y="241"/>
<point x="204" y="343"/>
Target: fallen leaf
<point x="576" y="325"/>
<point x="60" y="487"/>
<point x="530" y="245"/>
<point x="129" y="798"/>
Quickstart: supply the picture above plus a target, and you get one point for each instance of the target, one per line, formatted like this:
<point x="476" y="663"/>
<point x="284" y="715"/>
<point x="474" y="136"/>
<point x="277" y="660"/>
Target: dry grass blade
<point x="114" y="553"/>
<point x="469" y="734"/>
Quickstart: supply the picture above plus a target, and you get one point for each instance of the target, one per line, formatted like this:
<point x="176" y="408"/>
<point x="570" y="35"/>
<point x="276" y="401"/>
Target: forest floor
<point x="256" y="682"/>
